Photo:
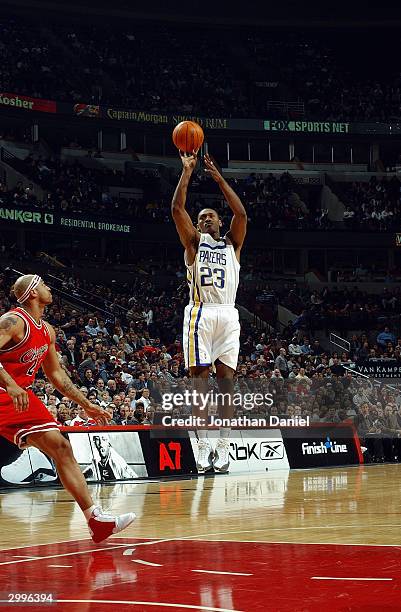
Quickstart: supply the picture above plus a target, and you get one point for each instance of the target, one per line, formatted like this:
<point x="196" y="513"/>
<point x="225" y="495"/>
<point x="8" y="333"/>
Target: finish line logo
<point x="323" y="448"/>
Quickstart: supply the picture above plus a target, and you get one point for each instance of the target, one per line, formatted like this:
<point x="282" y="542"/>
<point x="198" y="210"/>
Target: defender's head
<point x="209" y="222"/>
<point x="31" y="288"/>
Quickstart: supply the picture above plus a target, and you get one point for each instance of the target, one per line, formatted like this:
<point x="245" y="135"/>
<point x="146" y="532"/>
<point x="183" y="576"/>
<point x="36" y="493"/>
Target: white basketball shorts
<point x="211" y="331"/>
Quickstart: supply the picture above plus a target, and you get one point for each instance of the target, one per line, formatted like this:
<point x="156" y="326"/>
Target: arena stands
<point x="74" y="187"/>
<point x="344" y="309"/>
<point x="373" y="205"/>
<point x="273" y="201"/>
<point x="326" y="76"/>
<point x="33" y="64"/>
<point x="160" y="68"/>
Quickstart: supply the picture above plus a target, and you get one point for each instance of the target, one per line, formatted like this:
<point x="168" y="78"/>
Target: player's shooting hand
<point x="97" y="413"/>
<point x="19" y="396"/>
<point x="189" y="161"/>
<point x="211" y="169"/>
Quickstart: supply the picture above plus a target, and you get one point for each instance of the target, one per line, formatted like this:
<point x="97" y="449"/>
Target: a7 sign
<point x="167" y="455"/>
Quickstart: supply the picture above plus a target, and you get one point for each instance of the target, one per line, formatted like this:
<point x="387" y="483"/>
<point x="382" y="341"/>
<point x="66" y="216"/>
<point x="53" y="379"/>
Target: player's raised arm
<point x="12" y="330"/>
<point x="62" y="382"/>
<point x="237" y="230"/>
<point x="187" y="232"/>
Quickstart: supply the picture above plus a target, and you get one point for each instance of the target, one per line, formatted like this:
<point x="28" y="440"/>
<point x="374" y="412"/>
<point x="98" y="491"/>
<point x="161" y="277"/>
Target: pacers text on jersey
<point x="212" y="257"/>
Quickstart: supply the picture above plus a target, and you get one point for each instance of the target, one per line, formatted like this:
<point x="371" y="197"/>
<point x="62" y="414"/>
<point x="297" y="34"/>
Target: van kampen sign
<point x="379" y="368"/>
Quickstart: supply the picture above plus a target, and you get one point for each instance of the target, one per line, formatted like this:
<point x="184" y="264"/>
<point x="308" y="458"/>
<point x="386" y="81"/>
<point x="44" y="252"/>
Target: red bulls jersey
<point x="23" y="360"/>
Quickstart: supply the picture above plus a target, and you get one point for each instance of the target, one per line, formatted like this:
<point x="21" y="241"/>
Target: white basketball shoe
<point x="205" y="456"/>
<point x="221" y="461"/>
<point x="32" y="466"/>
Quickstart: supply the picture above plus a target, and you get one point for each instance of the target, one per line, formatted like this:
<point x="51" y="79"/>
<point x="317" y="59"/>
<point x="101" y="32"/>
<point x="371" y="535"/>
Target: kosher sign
<point x="34" y="217"/>
<point x="27" y="103"/>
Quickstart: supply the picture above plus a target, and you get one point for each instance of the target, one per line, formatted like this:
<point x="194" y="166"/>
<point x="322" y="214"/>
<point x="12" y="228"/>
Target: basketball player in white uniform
<point x="211" y="322"/>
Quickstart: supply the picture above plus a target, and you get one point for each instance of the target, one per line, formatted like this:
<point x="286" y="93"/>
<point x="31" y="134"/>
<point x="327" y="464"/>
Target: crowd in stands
<point x="331" y="86"/>
<point x="278" y="202"/>
<point x="374" y="205"/>
<point x="345" y="310"/>
<point x="359" y="273"/>
<point x="31" y="64"/>
<point x="168" y="68"/>
<point x="272" y="201"/>
<point x="74" y="187"/>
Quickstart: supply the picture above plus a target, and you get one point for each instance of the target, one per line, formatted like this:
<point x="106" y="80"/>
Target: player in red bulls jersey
<point x="27" y="343"/>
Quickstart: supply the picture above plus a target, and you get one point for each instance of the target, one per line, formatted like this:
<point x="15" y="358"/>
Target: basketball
<point x="188" y="136"/>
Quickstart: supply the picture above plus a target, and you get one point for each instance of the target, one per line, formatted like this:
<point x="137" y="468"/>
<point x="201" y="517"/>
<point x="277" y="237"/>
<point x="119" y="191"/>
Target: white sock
<point x="202" y="433"/>
<point x="225" y="432"/>
<point x="88" y="512"/>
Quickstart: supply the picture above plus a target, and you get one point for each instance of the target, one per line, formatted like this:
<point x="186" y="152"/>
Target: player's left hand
<point x="211" y="169"/>
<point x="97" y="413"/>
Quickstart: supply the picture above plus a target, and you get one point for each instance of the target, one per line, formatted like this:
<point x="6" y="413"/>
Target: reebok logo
<point x="271" y="450"/>
<point x="266" y="450"/>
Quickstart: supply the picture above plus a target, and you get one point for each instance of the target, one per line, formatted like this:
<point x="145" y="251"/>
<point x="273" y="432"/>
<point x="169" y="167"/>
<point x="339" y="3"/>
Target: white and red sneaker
<point x="102" y="525"/>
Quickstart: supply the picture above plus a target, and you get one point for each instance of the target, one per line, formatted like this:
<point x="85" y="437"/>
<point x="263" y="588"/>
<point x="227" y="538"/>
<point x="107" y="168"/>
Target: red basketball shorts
<point x="16" y="426"/>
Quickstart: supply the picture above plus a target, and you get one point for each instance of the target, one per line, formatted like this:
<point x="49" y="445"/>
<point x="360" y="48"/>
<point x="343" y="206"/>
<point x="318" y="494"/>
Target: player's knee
<point x="199" y="372"/>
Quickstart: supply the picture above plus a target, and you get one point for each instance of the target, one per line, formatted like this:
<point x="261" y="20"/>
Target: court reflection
<point x="290" y="506"/>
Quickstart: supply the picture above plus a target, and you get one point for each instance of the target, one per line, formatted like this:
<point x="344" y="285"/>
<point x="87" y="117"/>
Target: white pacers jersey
<point x="214" y="275"/>
<point x="211" y="322"/>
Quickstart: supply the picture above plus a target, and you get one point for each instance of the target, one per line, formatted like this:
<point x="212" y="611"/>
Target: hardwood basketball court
<point x="294" y="540"/>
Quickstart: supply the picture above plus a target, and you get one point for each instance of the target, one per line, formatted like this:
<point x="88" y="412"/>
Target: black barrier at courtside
<point x="322" y="445"/>
<point x="109" y="454"/>
<point x="168" y="453"/>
